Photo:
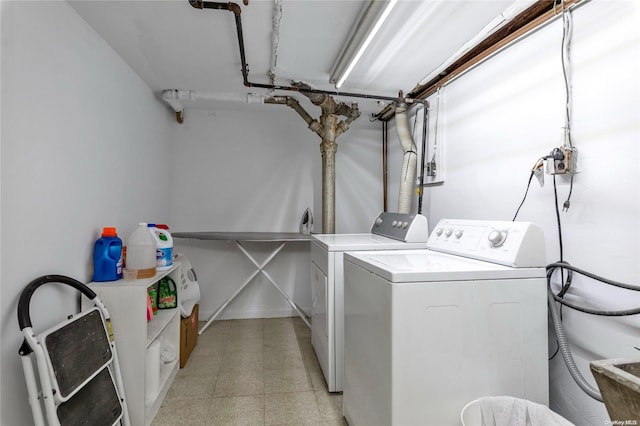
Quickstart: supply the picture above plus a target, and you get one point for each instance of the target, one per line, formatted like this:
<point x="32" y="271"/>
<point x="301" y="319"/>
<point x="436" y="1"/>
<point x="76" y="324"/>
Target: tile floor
<point x="252" y="372"/>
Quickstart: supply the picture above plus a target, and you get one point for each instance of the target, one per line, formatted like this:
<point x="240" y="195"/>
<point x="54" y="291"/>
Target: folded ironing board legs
<point x="260" y="269"/>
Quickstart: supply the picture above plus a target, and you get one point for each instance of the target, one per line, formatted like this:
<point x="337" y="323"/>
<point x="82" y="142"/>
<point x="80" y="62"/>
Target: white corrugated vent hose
<point x="409" y="161"/>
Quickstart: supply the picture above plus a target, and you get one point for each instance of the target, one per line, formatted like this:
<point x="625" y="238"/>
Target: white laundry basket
<point x="188" y="288"/>
<point x="471" y="414"/>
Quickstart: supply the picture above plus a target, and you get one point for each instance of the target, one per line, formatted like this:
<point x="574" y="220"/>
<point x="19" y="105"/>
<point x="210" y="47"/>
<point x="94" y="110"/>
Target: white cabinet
<point x="137" y="342"/>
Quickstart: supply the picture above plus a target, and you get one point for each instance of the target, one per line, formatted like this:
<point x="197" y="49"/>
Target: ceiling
<point x="172" y="45"/>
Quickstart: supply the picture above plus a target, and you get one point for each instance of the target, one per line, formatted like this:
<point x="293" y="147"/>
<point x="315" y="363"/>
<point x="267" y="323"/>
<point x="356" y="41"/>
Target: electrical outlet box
<point x="562" y="161"/>
<point x="434" y="163"/>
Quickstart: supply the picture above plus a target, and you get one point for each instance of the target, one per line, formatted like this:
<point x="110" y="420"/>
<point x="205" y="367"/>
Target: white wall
<point x="257" y="168"/>
<point x="85" y="144"/>
<point x="244" y="169"/>
<point x="2" y="7"/>
<point x="505" y="114"/>
<point x="359" y="196"/>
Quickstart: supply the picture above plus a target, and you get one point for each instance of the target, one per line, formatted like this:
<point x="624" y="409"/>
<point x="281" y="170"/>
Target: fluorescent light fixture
<point x="368" y="26"/>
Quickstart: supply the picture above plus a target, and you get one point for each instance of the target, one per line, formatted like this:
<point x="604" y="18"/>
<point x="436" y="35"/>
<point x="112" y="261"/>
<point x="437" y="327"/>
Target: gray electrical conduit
<point x="557" y="322"/>
<point x="566" y="352"/>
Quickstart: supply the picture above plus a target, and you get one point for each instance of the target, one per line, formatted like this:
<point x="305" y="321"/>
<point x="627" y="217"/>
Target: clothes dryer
<point x="427" y="331"/>
<point x="390" y="231"/>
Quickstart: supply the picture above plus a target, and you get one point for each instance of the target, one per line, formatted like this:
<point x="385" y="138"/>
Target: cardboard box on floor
<point x="188" y="336"/>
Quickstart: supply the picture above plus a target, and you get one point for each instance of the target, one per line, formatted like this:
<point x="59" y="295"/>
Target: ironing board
<point x="254" y="237"/>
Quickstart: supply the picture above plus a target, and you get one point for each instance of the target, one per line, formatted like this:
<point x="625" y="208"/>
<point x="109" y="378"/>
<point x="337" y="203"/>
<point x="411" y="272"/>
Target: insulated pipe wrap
<point x="409" y="161"/>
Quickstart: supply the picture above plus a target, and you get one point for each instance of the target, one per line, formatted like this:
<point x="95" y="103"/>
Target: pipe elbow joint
<point x="401" y="107"/>
<point x="315" y="126"/>
<point x="235" y="8"/>
<point x="343" y="126"/>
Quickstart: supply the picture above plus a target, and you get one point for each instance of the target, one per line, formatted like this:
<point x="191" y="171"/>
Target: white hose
<point x="409" y="161"/>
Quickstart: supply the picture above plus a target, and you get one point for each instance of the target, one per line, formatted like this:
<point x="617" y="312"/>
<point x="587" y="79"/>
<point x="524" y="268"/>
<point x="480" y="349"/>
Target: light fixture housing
<point x="371" y="20"/>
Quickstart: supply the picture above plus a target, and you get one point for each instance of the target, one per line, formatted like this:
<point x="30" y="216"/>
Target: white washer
<point x="327" y="283"/>
<point x="427" y="331"/>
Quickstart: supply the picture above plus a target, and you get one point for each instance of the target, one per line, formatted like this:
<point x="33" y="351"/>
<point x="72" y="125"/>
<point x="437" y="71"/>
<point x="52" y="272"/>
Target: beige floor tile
<point x="234" y="404"/>
<point x="302" y="330"/>
<point x="215" y="330"/>
<point x="329" y="404"/>
<point x="291" y="408"/>
<point x="214" y="336"/>
<point x="245" y="418"/>
<point x="336" y="422"/>
<point x="182" y="412"/>
<point x="232" y="383"/>
<point x="310" y="358"/>
<point x="243" y="362"/>
<point x="203" y="364"/>
<point x="288" y="344"/>
<point x="283" y="360"/>
<point x="252" y="372"/>
<point x="212" y="341"/>
<point x="278" y="381"/>
<point x="251" y="329"/>
<point x="306" y="348"/>
<point x="216" y="324"/>
<point x="213" y="349"/>
<point x="237" y="411"/>
<point x="245" y="324"/>
<point x="316" y="376"/>
<point x="277" y="336"/>
<point x="244" y="345"/>
<point x="191" y="387"/>
<point x="274" y="324"/>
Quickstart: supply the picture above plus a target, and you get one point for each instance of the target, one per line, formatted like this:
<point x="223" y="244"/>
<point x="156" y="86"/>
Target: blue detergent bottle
<point x="107" y="256"/>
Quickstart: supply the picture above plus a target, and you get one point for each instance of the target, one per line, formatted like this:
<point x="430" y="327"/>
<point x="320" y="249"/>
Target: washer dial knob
<point x="497" y="237"/>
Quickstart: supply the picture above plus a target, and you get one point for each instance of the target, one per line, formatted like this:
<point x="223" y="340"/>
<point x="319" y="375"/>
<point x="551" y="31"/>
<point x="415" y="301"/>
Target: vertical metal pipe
<point x="425" y="125"/>
<point x="385" y="140"/>
<point x="328" y="149"/>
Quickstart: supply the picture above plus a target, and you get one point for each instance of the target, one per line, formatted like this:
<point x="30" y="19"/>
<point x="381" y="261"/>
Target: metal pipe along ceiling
<point x="235" y="8"/>
<point x="328" y="127"/>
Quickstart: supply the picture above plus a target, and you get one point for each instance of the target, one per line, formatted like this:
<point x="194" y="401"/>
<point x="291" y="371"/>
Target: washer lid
<point x="352" y="242"/>
<point x="406" y="266"/>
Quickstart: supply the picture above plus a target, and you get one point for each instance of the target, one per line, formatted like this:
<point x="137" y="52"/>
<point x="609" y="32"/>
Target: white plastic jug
<point x="164" y="250"/>
<point x="141" y="253"/>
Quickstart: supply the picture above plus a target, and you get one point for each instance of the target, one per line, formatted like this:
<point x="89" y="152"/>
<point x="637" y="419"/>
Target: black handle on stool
<point x="24" y="319"/>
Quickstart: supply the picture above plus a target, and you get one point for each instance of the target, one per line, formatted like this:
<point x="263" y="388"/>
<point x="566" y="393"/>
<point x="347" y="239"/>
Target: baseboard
<point x="228" y="314"/>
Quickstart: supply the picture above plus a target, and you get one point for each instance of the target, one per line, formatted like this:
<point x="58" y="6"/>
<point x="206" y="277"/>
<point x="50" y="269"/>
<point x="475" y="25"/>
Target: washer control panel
<point x="410" y="228"/>
<point x="516" y="244"/>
